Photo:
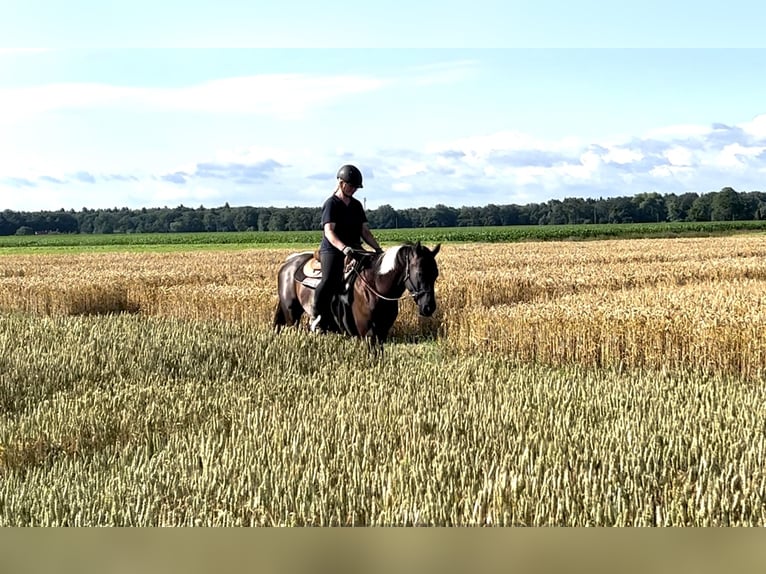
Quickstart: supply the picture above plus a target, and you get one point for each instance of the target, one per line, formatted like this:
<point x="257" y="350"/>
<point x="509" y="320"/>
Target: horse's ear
<point x="435" y="250"/>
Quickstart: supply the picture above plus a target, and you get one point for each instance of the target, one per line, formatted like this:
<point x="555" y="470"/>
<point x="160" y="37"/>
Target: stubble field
<point x="561" y="383"/>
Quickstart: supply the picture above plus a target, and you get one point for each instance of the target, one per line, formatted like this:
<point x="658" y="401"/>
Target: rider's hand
<point x="348" y="251"/>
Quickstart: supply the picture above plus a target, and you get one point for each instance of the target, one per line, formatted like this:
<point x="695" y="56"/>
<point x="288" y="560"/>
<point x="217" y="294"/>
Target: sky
<point x="148" y="104"/>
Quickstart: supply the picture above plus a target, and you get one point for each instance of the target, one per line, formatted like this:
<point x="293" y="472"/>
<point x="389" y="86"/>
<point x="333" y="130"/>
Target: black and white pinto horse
<point x="369" y="302"/>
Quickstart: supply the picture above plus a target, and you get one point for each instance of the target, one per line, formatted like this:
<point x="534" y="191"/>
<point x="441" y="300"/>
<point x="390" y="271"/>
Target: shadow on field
<point x="112" y="303"/>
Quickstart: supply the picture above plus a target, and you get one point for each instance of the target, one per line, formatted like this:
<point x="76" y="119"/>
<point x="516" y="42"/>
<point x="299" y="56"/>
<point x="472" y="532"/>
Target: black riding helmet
<point x="351" y="175"/>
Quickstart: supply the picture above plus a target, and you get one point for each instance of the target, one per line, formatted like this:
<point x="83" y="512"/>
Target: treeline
<point x="724" y="205"/>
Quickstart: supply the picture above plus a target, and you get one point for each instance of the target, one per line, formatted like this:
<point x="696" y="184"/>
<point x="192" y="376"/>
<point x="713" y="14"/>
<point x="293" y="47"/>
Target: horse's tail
<point x="280" y="320"/>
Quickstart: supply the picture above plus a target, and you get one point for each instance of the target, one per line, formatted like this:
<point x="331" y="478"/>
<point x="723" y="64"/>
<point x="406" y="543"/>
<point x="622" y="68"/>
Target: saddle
<point x="310" y="273"/>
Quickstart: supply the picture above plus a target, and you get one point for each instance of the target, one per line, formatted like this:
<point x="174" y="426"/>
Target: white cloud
<point x="286" y="96"/>
<point x="528" y="175"/>
<point x="255" y="154"/>
<point x="482" y="145"/>
<point x="410" y="168"/>
<point x="501" y="167"/>
<point x="669" y="171"/>
<point x="190" y="195"/>
<point x="622" y="155"/>
<point x="590" y="164"/>
<point x="734" y="155"/>
<point x="678" y="156"/>
<point x="756" y="127"/>
<point x="680" y="131"/>
<point x="280" y="95"/>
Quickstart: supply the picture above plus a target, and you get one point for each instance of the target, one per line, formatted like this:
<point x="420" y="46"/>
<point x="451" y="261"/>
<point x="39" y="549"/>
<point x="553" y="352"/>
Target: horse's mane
<point x="400" y="253"/>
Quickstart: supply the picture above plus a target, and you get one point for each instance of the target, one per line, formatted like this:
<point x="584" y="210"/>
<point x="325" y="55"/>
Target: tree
<point x="468" y="216"/>
<point x="384" y="217"/>
<point x="277" y="220"/>
<point x="124" y="223"/>
<point x="489" y="215"/>
<point x="189" y="221"/>
<point x="556" y="213"/>
<point x="441" y="216"/>
<point x="650" y="208"/>
<point x="104" y="222"/>
<point x="226" y="219"/>
<point x="700" y="209"/>
<point x="7" y="226"/>
<point x="263" y="219"/>
<point x="677" y="207"/>
<point x="594" y="210"/>
<point x="726" y="205"/>
<point x="620" y="210"/>
<point x="246" y="218"/>
<point x="537" y="213"/>
<point x="576" y="210"/>
<point x="297" y="219"/>
<point x="209" y="221"/>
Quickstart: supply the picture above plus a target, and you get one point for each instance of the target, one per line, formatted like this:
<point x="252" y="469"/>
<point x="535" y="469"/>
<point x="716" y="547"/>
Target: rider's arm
<point x="369" y="238"/>
<point x="329" y="233"/>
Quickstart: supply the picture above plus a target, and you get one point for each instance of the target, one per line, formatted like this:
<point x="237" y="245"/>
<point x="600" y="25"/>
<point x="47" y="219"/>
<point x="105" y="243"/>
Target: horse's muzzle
<point x="427" y="308"/>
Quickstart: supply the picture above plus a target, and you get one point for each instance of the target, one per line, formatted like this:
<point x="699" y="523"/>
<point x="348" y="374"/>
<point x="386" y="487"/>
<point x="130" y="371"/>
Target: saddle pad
<point x="311" y="282"/>
<point x="310" y="273"/>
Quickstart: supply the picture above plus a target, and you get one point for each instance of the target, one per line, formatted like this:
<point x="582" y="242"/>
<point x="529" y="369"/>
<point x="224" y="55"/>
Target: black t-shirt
<point x="348" y="220"/>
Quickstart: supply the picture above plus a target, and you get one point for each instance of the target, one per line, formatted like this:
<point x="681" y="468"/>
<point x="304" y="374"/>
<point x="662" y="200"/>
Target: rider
<point x="344" y="224"/>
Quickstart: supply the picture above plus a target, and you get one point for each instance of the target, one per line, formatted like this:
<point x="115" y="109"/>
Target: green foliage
<point x="498" y="234"/>
<point x="25" y="230"/>
<point x="726" y="205"/>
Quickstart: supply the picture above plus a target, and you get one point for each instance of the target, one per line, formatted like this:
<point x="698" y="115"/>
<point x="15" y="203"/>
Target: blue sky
<point x="140" y="104"/>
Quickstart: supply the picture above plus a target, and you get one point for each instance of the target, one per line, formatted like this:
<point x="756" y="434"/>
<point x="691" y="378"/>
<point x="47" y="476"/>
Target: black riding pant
<point x="332" y="278"/>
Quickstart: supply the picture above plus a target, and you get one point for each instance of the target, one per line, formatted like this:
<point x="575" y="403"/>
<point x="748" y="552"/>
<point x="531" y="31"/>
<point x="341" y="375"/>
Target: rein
<point x="414" y="294"/>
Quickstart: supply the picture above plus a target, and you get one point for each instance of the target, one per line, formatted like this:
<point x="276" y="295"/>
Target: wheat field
<point x="609" y="383"/>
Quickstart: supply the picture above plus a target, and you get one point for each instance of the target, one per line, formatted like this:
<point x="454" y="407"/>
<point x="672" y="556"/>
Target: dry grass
<point x="123" y="420"/>
<point x="609" y="383"/>
<point x="660" y="304"/>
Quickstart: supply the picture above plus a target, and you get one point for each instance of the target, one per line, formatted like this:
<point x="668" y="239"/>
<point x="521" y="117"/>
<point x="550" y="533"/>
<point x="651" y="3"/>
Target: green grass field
<point x="170" y="241"/>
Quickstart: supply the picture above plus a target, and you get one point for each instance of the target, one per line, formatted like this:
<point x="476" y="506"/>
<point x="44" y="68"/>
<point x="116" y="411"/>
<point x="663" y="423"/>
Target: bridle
<point x="416" y="294"/>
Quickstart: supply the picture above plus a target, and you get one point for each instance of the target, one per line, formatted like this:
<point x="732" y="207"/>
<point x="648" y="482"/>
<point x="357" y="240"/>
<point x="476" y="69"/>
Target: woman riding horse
<point x="371" y="304"/>
<point x="344" y="225"/>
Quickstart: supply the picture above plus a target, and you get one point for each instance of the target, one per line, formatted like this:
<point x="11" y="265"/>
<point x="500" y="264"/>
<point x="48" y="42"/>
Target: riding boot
<point x="316" y="325"/>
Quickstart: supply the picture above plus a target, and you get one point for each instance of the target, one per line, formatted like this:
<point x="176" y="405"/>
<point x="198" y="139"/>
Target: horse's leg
<point x="280" y="320"/>
<point x="289" y="309"/>
<point x="296" y="312"/>
<point x="379" y="327"/>
<point x="303" y="302"/>
<point x="375" y="344"/>
<point x="383" y="318"/>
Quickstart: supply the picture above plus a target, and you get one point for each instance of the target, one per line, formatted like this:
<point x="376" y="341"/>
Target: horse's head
<point x="422" y="272"/>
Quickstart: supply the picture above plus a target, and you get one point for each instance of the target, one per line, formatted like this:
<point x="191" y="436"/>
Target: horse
<point x="369" y="302"/>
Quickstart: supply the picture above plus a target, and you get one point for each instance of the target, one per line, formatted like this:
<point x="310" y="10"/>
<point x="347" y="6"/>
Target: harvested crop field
<point x="561" y="383"/>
